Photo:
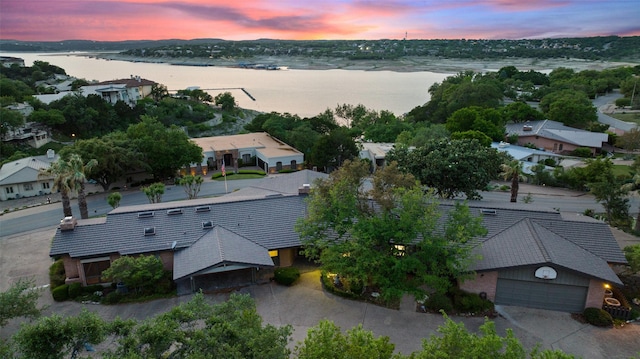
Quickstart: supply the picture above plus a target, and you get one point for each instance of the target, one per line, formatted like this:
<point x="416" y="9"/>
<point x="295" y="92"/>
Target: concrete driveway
<point x="304" y="304"/>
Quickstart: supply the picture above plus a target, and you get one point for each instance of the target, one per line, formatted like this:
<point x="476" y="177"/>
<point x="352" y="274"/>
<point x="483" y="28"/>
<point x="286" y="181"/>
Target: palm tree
<point x="77" y="179"/>
<point x="512" y="171"/>
<point x="59" y="170"/>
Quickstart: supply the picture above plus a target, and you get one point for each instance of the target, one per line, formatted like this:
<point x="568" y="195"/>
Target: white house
<point x="269" y="153"/>
<point x="21" y="178"/>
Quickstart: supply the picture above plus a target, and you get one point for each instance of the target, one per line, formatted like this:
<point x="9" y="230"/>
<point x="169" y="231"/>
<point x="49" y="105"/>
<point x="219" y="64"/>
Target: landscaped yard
<point x="627" y="117"/>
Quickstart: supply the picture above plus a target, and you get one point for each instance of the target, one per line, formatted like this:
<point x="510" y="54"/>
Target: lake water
<point x="302" y="92"/>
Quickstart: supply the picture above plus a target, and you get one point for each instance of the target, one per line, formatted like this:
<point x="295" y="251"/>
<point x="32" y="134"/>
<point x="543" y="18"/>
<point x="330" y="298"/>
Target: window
<point x="207" y="225"/>
<point x="28" y="187"/>
<point x="150" y="231"/>
<point x="9" y="190"/>
<point x="294" y="165"/>
<point x="145" y="214"/>
<point x="560" y="147"/>
<point x="45" y="185"/>
<point x="278" y="166"/>
<point x="246" y="158"/>
<point x="93" y="270"/>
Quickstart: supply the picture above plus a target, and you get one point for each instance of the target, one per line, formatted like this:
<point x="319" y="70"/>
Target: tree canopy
<point x="20" y="300"/>
<point x="387" y="238"/>
<point x="451" y="167"/>
<point x="164" y="150"/>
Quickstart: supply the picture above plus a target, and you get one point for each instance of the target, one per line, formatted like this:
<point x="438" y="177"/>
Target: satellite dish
<point x="174" y="244"/>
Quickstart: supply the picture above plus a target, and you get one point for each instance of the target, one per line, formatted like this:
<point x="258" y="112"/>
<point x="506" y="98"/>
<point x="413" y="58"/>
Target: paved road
<point x="50" y="214"/>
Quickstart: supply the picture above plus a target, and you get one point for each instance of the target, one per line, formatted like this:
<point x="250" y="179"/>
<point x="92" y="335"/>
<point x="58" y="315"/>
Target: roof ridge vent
<point x="203" y="209"/>
<point x="145" y="214"/>
<point x="488" y="211"/>
<point x="174" y="211"/>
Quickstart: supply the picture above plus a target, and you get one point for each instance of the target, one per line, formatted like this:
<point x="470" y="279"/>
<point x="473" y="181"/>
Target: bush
<point x="90" y="289"/>
<point x="57" y="276"/>
<point x="582" y="152"/>
<point x="74" y="290"/>
<point x="598" y="317"/>
<point x="286" y="276"/>
<point x="437" y="302"/>
<point x="60" y="293"/>
<point x="252" y="172"/>
<point x="112" y="298"/>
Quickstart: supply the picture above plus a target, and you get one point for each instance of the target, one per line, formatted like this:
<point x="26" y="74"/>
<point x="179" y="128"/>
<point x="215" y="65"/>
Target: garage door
<point x="561" y="297"/>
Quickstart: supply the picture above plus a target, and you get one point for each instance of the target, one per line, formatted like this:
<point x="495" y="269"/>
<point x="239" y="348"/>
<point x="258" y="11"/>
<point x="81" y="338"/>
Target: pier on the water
<point x="226" y="88"/>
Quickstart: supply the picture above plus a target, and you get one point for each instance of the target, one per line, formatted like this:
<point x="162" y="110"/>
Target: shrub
<point x="74" y="290"/>
<point x="598" y="317"/>
<point x="90" y="289"/>
<point x="112" y="298"/>
<point x="60" y="293"/>
<point x="252" y="172"/>
<point x="286" y="276"/>
<point x="437" y="302"/>
<point x="582" y="152"/>
<point x="57" y="275"/>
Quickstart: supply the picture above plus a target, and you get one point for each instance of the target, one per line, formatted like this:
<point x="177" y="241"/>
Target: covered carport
<point x="220" y="259"/>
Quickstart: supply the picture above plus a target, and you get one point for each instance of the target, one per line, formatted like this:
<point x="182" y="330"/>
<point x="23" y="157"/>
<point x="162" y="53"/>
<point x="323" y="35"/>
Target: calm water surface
<point x="302" y="92"/>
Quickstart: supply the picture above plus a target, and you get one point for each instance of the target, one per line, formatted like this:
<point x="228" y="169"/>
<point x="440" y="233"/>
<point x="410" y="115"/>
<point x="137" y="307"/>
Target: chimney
<point x="68" y="224"/>
<point x="304" y="190"/>
<point x="527" y="128"/>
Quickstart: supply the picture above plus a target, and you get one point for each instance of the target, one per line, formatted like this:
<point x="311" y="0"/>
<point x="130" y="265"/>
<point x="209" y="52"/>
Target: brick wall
<point x="483" y="282"/>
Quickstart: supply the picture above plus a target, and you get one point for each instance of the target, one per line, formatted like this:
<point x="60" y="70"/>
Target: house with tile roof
<point x="531" y="257"/>
<point x="544" y="259"/>
<point x="207" y="243"/>
<point x="21" y="178"/>
<point x="555" y="137"/>
<point x="265" y="151"/>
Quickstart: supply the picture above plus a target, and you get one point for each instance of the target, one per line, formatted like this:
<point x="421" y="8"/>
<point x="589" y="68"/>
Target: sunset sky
<point x="114" y="20"/>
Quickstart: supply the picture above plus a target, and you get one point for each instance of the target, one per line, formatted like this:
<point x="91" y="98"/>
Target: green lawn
<point x="627" y="117"/>
<point x="622" y="170"/>
<point x="238" y="176"/>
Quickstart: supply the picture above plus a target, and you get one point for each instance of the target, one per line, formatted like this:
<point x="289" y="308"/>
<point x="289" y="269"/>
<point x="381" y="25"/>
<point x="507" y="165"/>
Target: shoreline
<point x="405" y="64"/>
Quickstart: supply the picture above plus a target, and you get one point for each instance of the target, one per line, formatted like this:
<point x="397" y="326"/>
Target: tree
<point x="609" y="191"/>
<point x="451" y="167"/>
<point x="197" y="329"/>
<point x="115" y="157"/>
<point x="486" y="120"/>
<point x="164" y="150"/>
<point x="331" y="150"/>
<point x="55" y="337"/>
<point x="158" y="92"/>
<point x="512" y="171"/>
<point x="226" y="101"/>
<point x="154" y="192"/>
<point x="632" y="254"/>
<point x="10" y="120"/>
<point x="137" y="273"/>
<point x="191" y="185"/>
<point x="388" y="238"/>
<point x="455" y="341"/>
<point x="60" y="172"/>
<point x="325" y="340"/>
<point x="517" y="112"/>
<point x="50" y="118"/>
<point x="77" y="180"/>
<point x="114" y="199"/>
<point x="20" y="300"/>
<point x="629" y="140"/>
<point x="572" y="108"/>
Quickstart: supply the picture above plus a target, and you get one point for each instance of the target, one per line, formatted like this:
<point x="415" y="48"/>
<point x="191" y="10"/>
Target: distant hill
<point x="605" y="48"/>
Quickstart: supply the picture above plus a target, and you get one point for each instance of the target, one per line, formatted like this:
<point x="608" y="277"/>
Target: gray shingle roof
<point x="216" y="247"/>
<point x="528" y="242"/>
<point x="558" y="131"/>
<point x="268" y="222"/>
